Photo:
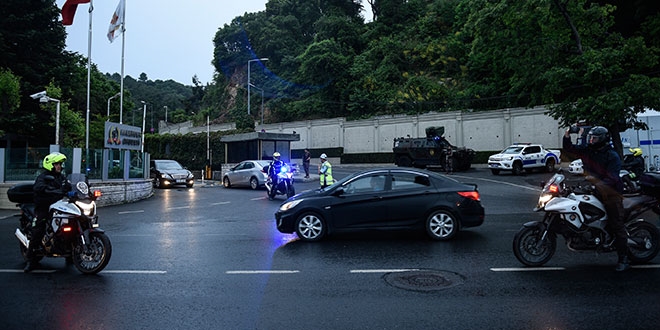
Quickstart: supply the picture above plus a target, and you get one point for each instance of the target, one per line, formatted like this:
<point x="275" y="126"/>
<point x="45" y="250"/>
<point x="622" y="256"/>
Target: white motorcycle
<point x="73" y="231"/>
<point x="576" y="214"/>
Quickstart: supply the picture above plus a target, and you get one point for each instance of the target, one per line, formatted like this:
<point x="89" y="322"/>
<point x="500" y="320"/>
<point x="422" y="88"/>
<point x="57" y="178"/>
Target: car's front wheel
<point x="310" y="227"/>
<point x="517" y="168"/>
<point x="158" y="183"/>
<point x="442" y="225"/>
<point x="226" y="183"/>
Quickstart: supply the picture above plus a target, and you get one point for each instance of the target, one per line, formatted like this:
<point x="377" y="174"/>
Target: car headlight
<point x="289" y="205"/>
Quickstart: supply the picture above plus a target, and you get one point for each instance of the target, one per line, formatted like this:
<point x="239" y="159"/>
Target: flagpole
<point x="89" y="79"/>
<point x="123" y="44"/>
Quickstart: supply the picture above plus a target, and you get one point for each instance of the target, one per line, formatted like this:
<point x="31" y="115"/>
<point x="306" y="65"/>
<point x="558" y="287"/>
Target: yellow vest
<point x="326" y="174"/>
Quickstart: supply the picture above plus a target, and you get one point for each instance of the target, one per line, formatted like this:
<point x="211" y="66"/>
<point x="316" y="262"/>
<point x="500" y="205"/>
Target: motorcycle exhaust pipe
<point x="22" y="238"/>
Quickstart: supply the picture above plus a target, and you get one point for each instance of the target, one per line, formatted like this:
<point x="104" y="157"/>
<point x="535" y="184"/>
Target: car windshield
<point x="168" y="165"/>
<point x="263" y="163"/>
<point x="512" y="150"/>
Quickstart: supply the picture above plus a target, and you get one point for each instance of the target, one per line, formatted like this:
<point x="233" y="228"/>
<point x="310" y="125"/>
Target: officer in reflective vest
<point x="325" y="172"/>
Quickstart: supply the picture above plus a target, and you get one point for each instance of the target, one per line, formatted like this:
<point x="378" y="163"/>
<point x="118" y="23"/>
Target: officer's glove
<point x="70" y="194"/>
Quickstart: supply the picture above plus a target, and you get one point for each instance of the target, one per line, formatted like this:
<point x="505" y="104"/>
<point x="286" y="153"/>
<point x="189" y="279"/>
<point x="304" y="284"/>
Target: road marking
<point x="36" y="271"/>
<point x="256" y="199"/>
<point x="148" y="272"/>
<point x="180" y="207"/>
<point x="499" y="182"/>
<point x="129" y="212"/>
<point x="220" y="203"/>
<point x="645" y="266"/>
<point x="367" y="271"/>
<point x="233" y="272"/>
<point x="527" y="269"/>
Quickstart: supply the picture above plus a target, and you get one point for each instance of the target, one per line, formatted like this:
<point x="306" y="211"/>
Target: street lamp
<point x="112" y="97"/>
<point x="258" y="59"/>
<point x="262" y="102"/>
<point x="165" y="114"/>
<point x="43" y="98"/>
<point x="144" y="116"/>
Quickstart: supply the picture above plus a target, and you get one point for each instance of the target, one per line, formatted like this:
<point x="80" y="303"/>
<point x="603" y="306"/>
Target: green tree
<point x="10" y="99"/>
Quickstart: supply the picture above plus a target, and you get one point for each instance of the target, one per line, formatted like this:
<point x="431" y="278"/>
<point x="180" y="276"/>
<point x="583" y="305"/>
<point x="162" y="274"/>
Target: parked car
<point x="386" y="198"/>
<point x="167" y="173"/>
<point x="246" y="173"/>
<point x="524" y="156"/>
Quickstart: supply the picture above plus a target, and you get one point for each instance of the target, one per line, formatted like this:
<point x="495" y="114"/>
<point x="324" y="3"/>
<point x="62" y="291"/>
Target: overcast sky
<point x="166" y="39"/>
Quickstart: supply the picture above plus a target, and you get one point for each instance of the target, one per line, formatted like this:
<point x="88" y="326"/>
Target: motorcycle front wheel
<point x="290" y="191"/>
<point x="646" y="244"/>
<point x="530" y="250"/>
<point x="92" y="258"/>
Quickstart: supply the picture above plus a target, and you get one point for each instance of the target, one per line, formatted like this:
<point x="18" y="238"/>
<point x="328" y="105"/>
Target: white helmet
<point x="324" y="156"/>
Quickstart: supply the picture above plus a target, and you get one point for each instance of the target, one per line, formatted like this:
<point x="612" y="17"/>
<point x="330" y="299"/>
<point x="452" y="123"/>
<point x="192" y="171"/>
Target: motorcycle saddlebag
<point x="21" y="193"/>
<point x="650" y="183"/>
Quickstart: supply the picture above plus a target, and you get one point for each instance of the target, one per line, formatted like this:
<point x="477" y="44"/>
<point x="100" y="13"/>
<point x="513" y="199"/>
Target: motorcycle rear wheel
<point x="648" y="236"/>
<point x="528" y="248"/>
<point x="95" y="257"/>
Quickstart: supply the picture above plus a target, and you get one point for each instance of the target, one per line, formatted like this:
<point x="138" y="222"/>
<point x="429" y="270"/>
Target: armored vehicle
<point x="430" y="151"/>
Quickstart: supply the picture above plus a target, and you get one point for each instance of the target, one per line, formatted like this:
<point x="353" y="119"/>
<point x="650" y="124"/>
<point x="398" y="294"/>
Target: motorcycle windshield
<point x="79" y="184"/>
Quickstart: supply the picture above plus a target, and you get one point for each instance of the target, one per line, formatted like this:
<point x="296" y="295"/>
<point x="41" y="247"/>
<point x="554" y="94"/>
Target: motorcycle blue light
<point x="284" y="169"/>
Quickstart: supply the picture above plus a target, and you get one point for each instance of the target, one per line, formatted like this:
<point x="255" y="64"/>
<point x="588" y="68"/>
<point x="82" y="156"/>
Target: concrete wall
<point x="113" y="192"/>
<point x="482" y="131"/>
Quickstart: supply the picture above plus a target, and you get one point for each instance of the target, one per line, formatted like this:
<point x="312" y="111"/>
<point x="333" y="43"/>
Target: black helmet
<point x="597" y="137"/>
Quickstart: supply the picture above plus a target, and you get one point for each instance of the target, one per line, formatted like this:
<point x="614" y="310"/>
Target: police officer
<point x="325" y="172"/>
<point x="49" y="187"/>
<point x="602" y="164"/>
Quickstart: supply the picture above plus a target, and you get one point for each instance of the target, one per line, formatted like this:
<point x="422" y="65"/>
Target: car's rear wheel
<point x="550" y="165"/>
<point x="254" y="183"/>
<point x="310" y="227"/>
<point x="442" y="225"/>
<point x="226" y="183"/>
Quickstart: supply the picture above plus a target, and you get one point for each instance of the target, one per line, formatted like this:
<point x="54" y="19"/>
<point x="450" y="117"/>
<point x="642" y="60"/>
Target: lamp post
<point x="248" y="81"/>
<point x="144" y="116"/>
<point x="44" y="98"/>
<point x="112" y="97"/>
<point x="165" y="114"/>
<point x="262" y="102"/>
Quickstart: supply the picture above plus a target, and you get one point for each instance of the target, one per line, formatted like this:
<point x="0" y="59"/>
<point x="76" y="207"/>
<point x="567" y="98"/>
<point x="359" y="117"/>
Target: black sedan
<point x="386" y="198"/>
<point x="167" y="173"/>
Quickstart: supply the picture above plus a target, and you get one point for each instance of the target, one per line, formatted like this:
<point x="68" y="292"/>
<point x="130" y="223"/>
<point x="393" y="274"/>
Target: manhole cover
<point x="424" y="280"/>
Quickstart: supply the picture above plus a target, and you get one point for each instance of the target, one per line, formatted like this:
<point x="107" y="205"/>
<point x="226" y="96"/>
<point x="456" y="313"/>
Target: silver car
<point x="246" y="173"/>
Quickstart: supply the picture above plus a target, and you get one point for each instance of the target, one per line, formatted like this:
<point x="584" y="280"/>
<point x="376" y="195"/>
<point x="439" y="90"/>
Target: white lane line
<point x="180" y="207"/>
<point x="129" y="212"/>
<point x="36" y="271"/>
<point x="220" y="203"/>
<point x="256" y="199"/>
<point x="527" y="269"/>
<point x="645" y="266"/>
<point x="148" y="272"/>
<point x="249" y="272"/>
<point x="367" y="271"/>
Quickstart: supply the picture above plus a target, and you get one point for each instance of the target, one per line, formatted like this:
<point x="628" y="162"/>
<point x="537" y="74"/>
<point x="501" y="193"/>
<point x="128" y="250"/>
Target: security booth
<point x="258" y="146"/>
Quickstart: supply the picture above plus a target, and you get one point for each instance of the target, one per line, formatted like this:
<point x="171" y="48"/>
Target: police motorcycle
<point x="280" y="180"/>
<point x="573" y="212"/>
<point x="72" y="232"/>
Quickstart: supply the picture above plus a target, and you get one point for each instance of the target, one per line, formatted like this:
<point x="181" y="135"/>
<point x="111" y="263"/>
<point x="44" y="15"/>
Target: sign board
<point x="119" y="136"/>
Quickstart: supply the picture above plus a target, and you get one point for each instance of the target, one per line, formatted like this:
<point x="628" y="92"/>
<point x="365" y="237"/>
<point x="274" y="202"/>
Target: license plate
<point x="180" y="180"/>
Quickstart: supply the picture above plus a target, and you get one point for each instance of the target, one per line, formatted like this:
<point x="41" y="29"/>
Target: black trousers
<point x="613" y="202"/>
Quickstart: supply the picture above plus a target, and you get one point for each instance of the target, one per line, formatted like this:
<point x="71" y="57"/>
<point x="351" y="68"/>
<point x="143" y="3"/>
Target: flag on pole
<point x="117" y="22"/>
<point x="69" y="10"/>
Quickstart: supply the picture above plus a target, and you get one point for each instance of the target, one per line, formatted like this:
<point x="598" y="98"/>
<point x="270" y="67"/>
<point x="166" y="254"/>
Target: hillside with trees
<point x="597" y="60"/>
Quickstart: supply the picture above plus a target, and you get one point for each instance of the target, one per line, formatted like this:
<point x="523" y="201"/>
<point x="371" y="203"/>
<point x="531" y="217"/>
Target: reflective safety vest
<point x="325" y="174"/>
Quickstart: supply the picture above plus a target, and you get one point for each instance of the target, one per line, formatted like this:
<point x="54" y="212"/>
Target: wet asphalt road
<point x="211" y="258"/>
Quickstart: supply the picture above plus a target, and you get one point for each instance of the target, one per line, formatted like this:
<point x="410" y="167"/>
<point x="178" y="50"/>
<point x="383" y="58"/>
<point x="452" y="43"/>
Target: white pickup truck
<point x="524" y="156"/>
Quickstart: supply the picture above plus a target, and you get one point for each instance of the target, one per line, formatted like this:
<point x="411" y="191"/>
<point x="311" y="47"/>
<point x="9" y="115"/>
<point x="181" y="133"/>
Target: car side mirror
<point x="338" y="192"/>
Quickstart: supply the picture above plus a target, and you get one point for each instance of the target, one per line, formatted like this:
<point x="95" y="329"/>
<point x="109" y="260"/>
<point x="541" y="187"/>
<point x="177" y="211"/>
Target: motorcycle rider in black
<point x="634" y="162"/>
<point x="601" y="164"/>
<point x="49" y="187"/>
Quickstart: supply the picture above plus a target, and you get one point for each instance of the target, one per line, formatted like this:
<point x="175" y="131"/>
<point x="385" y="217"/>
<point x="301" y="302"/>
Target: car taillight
<point x="97" y="193"/>
<point x="474" y="195"/>
<point x="66" y="229"/>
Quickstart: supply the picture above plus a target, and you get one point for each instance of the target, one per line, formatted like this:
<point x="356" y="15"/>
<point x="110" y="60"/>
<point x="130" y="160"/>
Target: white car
<point x="575" y="167"/>
<point x="524" y="156"/>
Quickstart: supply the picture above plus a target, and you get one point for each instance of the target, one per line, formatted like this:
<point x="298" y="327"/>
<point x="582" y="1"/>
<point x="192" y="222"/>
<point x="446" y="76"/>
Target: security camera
<point x="38" y="95"/>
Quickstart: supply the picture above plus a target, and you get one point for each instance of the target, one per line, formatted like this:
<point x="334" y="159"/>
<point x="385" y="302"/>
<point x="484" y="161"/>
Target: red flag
<point x="69" y="10"/>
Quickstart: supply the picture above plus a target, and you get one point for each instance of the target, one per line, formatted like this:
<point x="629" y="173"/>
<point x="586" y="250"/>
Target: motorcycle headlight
<point x="544" y="198"/>
<point x="289" y="205"/>
<point x="87" y="208"/>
